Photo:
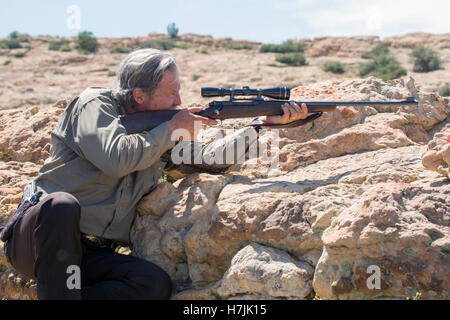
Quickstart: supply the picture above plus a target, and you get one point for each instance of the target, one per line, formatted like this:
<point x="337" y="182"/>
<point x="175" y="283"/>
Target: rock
<point x="267" y="272"/>
<point x="161" y="241"/>
<point x="13" y="178"/>
<point x="157" y="202"/>
<point x="437" y="156"/>
<point x="27" y="133"/>
<point x="341" y="46"/>
<point x="403" y="230"/>
<point x="14" y="286"/>
<point x="413" y="40"/>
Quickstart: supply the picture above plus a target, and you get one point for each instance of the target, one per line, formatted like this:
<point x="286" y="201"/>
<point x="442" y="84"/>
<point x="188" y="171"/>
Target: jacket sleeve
<point x="219" y="154"/>
<point x="104" y="141"/>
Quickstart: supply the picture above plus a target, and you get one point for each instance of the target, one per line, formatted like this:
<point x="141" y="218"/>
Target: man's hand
<point x="185" y="118"/>
<point x="291" y="112"/>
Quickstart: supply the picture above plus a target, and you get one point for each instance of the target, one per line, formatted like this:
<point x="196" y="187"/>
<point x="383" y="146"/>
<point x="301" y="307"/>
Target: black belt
<point x="99" y="242"/>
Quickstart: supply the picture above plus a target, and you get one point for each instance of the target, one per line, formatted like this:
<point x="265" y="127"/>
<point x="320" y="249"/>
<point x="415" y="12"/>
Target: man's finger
<point x="304" y="108"/>
<point x="205" y="120"/>
<point x="287" y="112"/>
<point x="297" y="108"/>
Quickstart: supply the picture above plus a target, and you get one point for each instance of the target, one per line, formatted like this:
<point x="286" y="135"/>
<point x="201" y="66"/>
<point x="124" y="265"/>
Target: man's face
<point x="166" y="96"/>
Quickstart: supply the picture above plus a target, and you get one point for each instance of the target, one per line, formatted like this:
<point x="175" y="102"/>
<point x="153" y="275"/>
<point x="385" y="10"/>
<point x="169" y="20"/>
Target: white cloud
<point x="374" y="17"/>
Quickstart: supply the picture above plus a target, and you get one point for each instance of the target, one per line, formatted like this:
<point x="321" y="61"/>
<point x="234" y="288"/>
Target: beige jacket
<point x="107" y="170"/>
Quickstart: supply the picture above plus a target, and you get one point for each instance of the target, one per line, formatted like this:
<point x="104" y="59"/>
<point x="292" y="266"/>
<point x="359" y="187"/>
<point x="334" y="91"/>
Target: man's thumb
<point x="195" y="109"/>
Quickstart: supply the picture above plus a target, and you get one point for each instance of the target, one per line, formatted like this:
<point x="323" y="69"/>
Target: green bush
<point x="19" y="54"/>
<point x="56" y="45"/>
<point x="379" y="50"/>
<point x="10" y="44"/>
<point x="87" y="43"/>
<point x="425" y="59"/>
<point x="172" y="30"/>
<point x="159" y="44"/>
<point x="7" y="62"/>
<point x="384" y="67"/>
<point x="292" y="59"/>
<point x="334" y="67"/>
<point x="120" y="49"/>
<point x="285" y="47"/>
<point x="445" y="91"/>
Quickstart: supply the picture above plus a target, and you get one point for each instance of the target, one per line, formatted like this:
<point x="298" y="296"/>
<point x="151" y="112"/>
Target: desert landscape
<point x="358" y="187"/>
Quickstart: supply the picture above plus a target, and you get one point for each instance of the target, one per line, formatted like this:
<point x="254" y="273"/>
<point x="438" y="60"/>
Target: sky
<point x="267" y="21"/>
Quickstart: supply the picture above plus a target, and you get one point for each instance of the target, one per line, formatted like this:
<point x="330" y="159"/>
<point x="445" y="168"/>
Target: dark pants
<point x="46" y="245"/>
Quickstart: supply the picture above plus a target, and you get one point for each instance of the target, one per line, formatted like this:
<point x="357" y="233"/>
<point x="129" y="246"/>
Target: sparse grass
<point x="20" y="54"/>
<point x="164" y="178"/>
<point x="334" y="67"/>
<point x="195" y="77"/>
<point x="49" y="101"/>
<point x="292" y="59"/>
<point x="58" y="72"/>
<point x="416" y="297"/>
<point x="111" y="73"/>
<point x="7" y="62"/>
<point x="236" y="46"/>
<point x="65" y="47"/>
<point x="274" y="65"/>
<point x="57" y="45"/>
<point x="181" y="45"/>
<point x="120" y="49"/>
<point x="159" y="44"/>
<point x="445" y="91"/>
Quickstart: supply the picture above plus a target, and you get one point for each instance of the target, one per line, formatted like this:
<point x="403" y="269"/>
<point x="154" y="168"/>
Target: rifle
<point x="247" y="107"/>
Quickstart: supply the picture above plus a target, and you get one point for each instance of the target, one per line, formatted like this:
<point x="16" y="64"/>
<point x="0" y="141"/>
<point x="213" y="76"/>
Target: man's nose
<point x="177" y="101"/>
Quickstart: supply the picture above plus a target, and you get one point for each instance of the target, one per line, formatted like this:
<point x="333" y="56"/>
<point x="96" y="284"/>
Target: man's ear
<point x="139" y="96"/>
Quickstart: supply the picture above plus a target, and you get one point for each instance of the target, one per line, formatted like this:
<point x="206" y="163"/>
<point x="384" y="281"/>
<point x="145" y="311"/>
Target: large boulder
<point x="401" y="229"/>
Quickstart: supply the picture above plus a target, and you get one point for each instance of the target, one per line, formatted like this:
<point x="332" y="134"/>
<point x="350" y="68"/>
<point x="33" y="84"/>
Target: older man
<point x="91" y="183"/>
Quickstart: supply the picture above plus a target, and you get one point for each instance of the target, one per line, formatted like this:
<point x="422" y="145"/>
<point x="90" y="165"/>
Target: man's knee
<point x="60" y="208"/>
<point x="154" y="282"/>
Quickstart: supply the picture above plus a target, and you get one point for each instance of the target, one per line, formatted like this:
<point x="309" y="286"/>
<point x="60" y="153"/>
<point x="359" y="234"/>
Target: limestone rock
<point x="26" y="134"/>
<point x="437" y="156"/>
<point x="267" y="272"/>
<point x="402" y="229"/>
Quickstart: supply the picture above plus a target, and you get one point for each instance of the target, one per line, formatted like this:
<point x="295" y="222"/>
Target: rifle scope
<point x="282" y="93"/>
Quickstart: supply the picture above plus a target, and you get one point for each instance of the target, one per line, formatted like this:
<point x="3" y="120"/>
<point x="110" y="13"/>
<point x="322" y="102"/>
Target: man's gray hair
<point x="142" y="69"/>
